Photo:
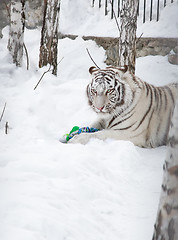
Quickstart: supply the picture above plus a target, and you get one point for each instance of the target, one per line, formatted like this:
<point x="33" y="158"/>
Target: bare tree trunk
<point x="127" y="40"/>
<point x="166" y="227"/>
<point x="16" y="31"/>
<point x="49" y="34"/>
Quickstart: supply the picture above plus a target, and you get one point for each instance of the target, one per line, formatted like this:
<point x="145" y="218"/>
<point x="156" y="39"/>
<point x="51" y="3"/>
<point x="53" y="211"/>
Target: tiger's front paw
<point x="82" y="138"/>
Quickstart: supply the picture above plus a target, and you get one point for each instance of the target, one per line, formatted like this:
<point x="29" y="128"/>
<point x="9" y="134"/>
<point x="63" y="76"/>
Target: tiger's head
<point x="107" y="90"/>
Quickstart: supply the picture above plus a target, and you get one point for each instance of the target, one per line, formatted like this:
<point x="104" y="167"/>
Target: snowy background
<point x="78" y="17"/>
<point x="106" y="190"/>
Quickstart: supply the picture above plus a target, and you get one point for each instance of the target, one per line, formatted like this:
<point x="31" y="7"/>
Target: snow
<point x="49" y="190"/>
<point x="167" y="26"/>
<point x="91" y="21"/>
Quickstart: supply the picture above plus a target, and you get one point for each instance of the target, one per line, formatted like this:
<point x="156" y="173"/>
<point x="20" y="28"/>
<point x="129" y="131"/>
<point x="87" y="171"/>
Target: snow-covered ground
<point x="105" y="190"/>
<point x="78" y="17"/>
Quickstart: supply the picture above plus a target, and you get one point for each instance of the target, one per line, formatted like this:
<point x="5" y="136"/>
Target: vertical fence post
<point x="106" y="7"/>
<point x="144" y="11"/>
<point x="157" y="18"/>
<point x="138" y="7"/>
<point x="99" y="3"/>
<point x="164" y="3"/>
<point x="118" y="13"/>
<point x="151" y="10"/>
<point x="93" y="3"/>
<point x="112" y="9"/>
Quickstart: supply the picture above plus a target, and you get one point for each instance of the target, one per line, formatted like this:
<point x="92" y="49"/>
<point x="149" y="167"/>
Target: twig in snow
<point x="92" y="58"/>
<point x="26" y="52"/>
<point x="49" y="69"/>
<point x="6" y="128"/>
<point x="60" y="61"/>
<point x="42" y="77"/>
<point x="2" y="114"/>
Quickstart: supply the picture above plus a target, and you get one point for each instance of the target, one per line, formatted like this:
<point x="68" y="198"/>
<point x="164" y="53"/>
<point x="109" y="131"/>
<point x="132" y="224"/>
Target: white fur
<point x="143" y="115"/>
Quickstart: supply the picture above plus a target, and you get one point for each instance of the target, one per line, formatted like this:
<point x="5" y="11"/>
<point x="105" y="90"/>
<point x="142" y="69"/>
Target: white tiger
<point x="129" y="108"/>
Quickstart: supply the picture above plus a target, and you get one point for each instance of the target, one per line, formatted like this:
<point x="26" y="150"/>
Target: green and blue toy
<point x="75" y="131"/>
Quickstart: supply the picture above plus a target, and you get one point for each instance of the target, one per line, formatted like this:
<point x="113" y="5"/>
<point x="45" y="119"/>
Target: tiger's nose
<point x="100" y="108"/>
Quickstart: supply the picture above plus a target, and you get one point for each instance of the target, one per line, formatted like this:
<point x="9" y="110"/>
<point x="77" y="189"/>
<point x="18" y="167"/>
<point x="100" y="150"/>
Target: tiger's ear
<point x="124" y="68"/>
<point x="92" y="69"/>
<point x="121" y="70"/>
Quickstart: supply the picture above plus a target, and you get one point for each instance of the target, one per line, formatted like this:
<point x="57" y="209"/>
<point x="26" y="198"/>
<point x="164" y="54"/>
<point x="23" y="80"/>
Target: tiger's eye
<point x="93" y="91"/>
<point x="109" y="91"/>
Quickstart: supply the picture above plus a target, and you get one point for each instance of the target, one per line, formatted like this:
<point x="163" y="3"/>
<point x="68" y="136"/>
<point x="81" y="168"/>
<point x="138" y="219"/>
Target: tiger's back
<point x="148" y="117"/>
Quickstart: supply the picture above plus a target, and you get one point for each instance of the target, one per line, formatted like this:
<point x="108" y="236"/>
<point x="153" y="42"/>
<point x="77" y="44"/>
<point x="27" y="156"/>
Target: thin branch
<point x="42" y="77"/>
<point x="49" y="69"/>
<point x="138" y="39"/>
<point x="2" y="114"/>
<point x="60" y="61"/>
<point x="115" y="16"/>
<point x="26" y="52"/>
<point x="92" y="58"/>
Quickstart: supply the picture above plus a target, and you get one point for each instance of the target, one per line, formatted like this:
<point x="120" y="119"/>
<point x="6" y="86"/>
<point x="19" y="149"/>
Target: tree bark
<point x="16" y="31"/>
<point x="49" y="34"/>
<point x="127" y="39"/>
<point x="166" y="227"/>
